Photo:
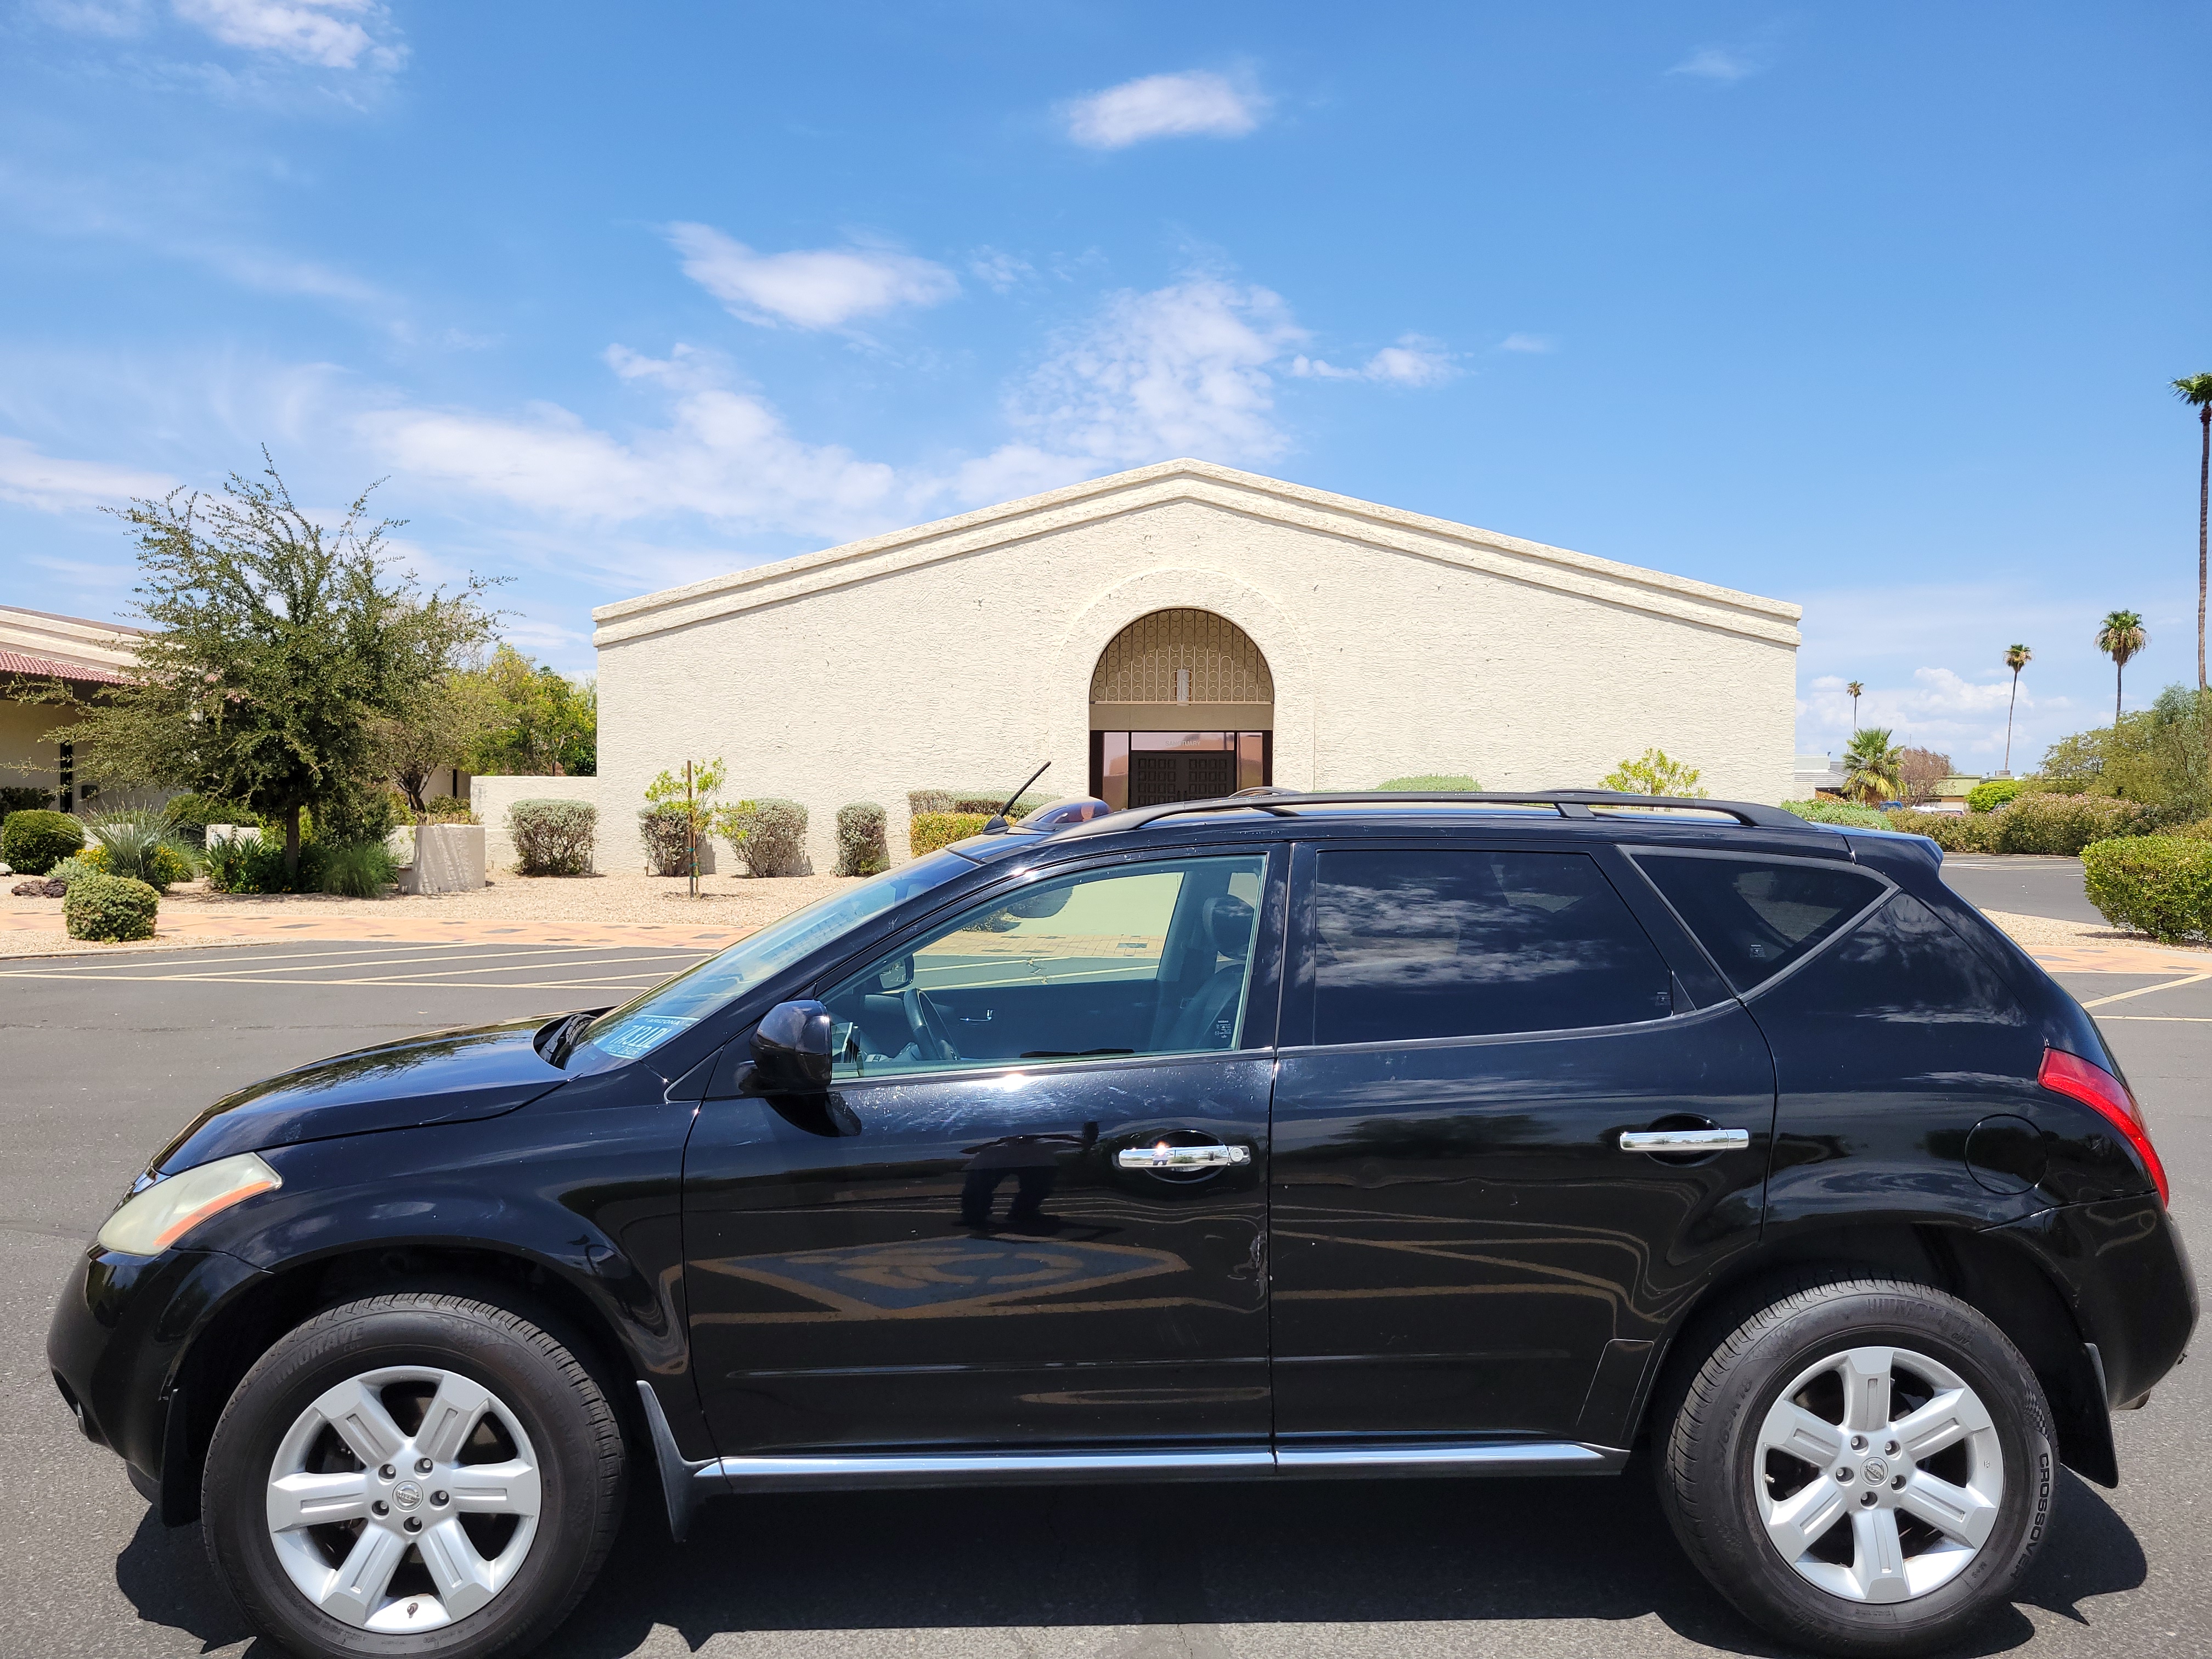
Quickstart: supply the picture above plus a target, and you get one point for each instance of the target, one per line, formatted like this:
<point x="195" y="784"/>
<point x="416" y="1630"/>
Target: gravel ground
<point x="2033" y="932"/>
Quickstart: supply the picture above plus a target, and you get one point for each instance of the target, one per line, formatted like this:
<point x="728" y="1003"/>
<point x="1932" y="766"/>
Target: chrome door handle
<point x="1684" y="1141"/>
<point x="1164" y="1156"/>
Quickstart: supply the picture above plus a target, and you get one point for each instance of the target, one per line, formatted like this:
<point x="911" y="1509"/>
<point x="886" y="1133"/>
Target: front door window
<point x="1155" y="768"/>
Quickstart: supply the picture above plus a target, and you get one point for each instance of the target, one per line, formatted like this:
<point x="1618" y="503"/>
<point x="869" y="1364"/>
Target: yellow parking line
<point x="2145" y="990"/>
<point x="2160" y="1019"/>
<point x="220" y="976"/>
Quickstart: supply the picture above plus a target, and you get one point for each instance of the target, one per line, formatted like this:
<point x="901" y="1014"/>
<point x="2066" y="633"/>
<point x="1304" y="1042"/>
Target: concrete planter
<point x="449" y="858"/>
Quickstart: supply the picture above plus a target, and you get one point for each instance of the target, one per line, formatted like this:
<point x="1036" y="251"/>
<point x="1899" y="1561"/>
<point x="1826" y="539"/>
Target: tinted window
<point x="1137" y="959"/>
<point x="1459" y="943"/>
<point x="1756" y="918"/>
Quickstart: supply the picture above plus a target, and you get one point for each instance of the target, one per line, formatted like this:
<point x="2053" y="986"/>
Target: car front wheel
<point x="1863" y="1467"/>
<point x="413" y="1473"/>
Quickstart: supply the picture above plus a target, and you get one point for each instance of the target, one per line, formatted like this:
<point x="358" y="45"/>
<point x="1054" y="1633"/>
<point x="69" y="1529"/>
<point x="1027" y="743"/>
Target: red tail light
<point x="2093" y="1086"/>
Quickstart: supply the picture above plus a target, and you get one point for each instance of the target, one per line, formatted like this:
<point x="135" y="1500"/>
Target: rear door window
<point x="1757" y="916"/>
<point x="1448" y="942"/>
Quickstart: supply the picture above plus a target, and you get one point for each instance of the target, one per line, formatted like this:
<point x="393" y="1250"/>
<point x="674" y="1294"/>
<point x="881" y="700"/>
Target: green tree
<point x="691" y="795"/>
<point x="275" y="648"/>
<point x="1873" y="767"/>
<point x="2120" y="637"/>
<point x="1858" y="689"/>
<point x="2016" y="658"/>
<point x="439" y="723"/>
<point x="540" y="722"/>
<point x="2196" y="389"/>
<point x="1652" y="774"/>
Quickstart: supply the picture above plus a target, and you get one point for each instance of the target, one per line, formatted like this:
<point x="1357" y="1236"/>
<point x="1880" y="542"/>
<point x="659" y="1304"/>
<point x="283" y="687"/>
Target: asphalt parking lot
<point x="104" y="1060"/>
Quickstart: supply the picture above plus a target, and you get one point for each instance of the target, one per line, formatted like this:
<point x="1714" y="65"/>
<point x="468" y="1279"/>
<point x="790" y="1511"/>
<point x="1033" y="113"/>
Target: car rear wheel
<point x="1864" y="1467"/>
<point x="412" y="1474"/>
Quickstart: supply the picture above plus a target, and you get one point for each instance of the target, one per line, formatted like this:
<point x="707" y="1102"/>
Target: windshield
<point x="639" y="1027"/>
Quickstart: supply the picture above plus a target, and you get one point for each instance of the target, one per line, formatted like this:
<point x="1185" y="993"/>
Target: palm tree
<point x="2120" y="638"/>
<point x="1872" y="766"/>
<point x="2197" y="389"/>
<point x="2017" y="657"/>
<point x="1857" y="689"/>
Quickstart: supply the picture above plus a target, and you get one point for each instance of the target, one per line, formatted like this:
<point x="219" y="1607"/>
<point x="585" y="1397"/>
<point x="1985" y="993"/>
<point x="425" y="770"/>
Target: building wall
<point x="961" y="655"/>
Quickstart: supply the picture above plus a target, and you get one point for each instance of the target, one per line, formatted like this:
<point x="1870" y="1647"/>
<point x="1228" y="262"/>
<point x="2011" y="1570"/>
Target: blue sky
<point x="1869" y="307"/>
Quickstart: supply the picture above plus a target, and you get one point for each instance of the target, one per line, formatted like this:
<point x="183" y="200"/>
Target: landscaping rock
<point x="41" y="889"/>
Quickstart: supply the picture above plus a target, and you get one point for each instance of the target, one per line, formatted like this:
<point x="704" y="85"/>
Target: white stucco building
<point x="1181" y="630"/>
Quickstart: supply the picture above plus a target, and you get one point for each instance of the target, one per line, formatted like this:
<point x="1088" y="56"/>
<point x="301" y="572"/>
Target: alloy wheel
<point x="403" y="1498"/>
<point x="1879" y="1475"/>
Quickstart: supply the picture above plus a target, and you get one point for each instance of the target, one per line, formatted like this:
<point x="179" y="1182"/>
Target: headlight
<point x="173" y="1206"/>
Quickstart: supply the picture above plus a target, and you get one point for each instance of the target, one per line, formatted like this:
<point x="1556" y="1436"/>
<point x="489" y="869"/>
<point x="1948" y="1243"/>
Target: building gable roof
<point x="1250" y="494"/>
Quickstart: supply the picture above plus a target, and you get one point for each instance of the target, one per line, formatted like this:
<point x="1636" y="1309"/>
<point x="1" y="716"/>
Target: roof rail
<point x="1568" y="803"/>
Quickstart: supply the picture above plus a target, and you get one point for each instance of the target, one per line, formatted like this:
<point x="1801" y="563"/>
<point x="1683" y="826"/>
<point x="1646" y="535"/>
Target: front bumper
<point x="119" y="1334"/>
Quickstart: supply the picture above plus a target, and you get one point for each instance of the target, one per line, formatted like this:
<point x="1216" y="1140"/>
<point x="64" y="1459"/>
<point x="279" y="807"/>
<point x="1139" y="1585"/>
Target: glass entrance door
<point x="1155" y="768"/>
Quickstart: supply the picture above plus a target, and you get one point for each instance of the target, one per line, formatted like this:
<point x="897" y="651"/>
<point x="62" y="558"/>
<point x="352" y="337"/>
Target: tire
<point x="1758" y="1459"/>
<point x="514" y="1516"/>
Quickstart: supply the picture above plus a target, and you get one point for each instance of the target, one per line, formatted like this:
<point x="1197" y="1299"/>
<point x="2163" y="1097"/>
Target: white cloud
<point x="55" y="485"/>
<point x="1179" y="371"/>
<point x="1940" y="709"/>
<point x="116" y="18"/>
<point x="1413" y="360"/>
<point x="724" y="455"/>
<point x="1191" y="104"/>
<point x="820" y="288"/>
<point x="329" y="33"/>
<point x="1726" y="64"/>
<point x="1533" y="342"/>
<point x="999" y="271"/>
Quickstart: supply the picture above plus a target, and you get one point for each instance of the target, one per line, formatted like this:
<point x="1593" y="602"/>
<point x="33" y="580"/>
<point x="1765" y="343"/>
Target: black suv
<point x="1294" y="1136"/>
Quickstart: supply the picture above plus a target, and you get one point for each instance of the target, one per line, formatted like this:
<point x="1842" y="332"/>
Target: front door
<point x="1462" y="1246"/>
<point x="973" y="1240"/>
<point x="1159" y="779"/>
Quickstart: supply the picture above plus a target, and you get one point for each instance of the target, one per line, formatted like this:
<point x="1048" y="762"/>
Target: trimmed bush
<point x="927" y="831"/>
<point x="114" y="907"/>
<point x="668" y="839"/>
<point x="33" y="842"/>
<point x="354" y="869"/>
<point x="973" y="801"/>
<point x="768" y="834"/>
<point x="553" y="837"/>
<point x="928" y="801"/>
<point x="1988" y="795"/>
<point x="2156" y="884"/>
<point x="2064" y="825"/>
<point x="862" y="847"/>
<point x="1955" y="832"/>
<point x="2200" y="831"/>
<point x="187" y="817"/>
<point x="1432" y="782"/>
<point x="1841" y="812"/>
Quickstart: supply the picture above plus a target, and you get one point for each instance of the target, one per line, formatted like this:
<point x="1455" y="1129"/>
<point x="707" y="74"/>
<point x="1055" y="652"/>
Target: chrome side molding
<point x="865" y="1469"/>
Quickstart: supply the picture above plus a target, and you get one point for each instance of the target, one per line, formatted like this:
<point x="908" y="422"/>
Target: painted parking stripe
<point x="2145" y="990"/>
<point x="227" y="972"/>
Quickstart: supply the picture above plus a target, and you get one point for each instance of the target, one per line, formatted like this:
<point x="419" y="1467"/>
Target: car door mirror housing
<point x="791" y="1049"/>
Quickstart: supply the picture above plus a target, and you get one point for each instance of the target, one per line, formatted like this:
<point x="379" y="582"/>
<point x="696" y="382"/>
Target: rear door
<point x="1463" y="1248"/>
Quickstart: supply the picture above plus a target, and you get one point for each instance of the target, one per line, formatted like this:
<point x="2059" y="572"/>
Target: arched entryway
<point x="1182" y="708"/>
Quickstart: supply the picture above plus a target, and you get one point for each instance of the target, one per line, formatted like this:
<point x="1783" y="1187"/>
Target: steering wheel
<point x="927" y="1026"/>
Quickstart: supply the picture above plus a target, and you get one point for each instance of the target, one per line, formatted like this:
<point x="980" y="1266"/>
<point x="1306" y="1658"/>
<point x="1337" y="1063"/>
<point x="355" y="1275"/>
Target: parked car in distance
<point x="1308" y="1136"/>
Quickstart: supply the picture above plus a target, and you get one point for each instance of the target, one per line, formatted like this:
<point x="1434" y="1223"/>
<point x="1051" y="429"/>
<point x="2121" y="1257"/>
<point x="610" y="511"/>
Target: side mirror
<point x="791" y="1049"/>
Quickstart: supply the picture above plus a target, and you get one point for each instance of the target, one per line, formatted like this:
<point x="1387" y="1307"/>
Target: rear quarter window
<point x="1756" y="917"/>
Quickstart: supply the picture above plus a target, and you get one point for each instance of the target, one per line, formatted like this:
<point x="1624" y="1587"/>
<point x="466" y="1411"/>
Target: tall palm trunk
<point x="2204" y="513"/>
<point x="2119" y="679"/>
<point x="2009" y="707"/>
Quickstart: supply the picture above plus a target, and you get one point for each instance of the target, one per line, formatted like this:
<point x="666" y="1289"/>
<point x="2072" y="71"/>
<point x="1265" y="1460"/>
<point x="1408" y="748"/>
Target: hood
<point x="444" y="1078"/>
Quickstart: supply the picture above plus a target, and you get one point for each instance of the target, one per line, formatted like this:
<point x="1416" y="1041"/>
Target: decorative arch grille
<point x="1142" y="662"/>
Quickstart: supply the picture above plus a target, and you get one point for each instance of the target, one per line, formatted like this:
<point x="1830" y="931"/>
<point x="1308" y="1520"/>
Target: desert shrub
<point x="141" y="845"/>
<point x="34" y="841"/>
<point x="1840" y="812"/>
<point x="1432" y="782"/>
<point x="1955" y="832"/>
<point x="1993" y="793"/>
<point x="2064" y="825"/>
<point x="768" y="834"/>
<point x="255" y="864"/>
<point x="553" y="837"/>
<point x="448" y="808"/>
<point x="983" y="801"/>
<point x="77" y="866"/>
<point x="928" y="801"/>
<point x="355" y="811"/>
<point x="862" y="847"/>
<point x="104" y="906"/>
<point x="1652" y="773"/>
<point x="16" y="799"/>
<point x="2200" y="831"/>
<point x="187" y="817"/>
<point x="927" y="831"/>
<point x="354" y="869"/>
<point x="667" y="835"/>
<point x="2156" y="884"/>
